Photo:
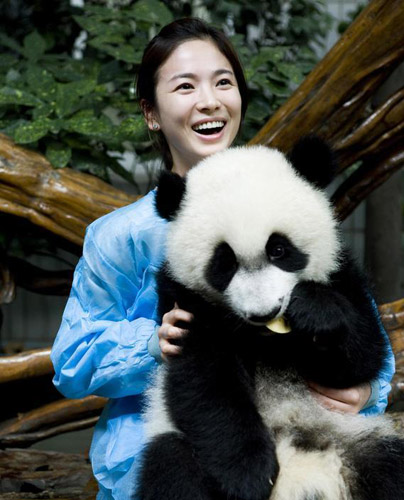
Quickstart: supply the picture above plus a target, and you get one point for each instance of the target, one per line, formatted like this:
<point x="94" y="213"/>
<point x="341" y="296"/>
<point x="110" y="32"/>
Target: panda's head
<point x="247" y="224"/>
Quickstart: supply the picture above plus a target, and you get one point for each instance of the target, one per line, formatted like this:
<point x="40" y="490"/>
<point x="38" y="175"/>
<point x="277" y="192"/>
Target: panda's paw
<point x="319" y="310"/>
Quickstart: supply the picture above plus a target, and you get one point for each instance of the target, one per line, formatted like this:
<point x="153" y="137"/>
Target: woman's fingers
<point x="168" y="332"/>
<point x="176" y="315"/>
<point x="350" y="400"/>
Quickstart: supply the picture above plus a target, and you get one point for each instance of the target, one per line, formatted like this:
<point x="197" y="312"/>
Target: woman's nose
<point x="208" y="100"/>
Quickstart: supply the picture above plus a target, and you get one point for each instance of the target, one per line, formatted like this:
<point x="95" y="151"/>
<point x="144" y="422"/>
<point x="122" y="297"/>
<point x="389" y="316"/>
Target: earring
<point x="156" y="127"/>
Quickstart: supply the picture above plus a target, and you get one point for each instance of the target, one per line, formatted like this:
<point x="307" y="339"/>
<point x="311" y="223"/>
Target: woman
<point x="193" y="94"/>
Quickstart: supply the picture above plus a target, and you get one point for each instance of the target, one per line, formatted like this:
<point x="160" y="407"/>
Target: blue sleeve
<point x="102" y="344"/>
<point x="381" y="387"/>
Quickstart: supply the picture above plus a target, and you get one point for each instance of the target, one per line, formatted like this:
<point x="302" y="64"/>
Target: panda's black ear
<point x="314" y="160"/>
<point x="170" y="191"/>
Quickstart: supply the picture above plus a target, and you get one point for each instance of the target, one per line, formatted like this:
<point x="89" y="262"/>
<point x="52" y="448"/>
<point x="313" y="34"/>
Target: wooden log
<point x="62" y="201"/>
<point x="25" y="439"/>
<point x="25" y="365"/>
<point x="55" y="413"/>
<point x="336" y="92"/>
<point x="392" y="315"/>
<point x="378" y="133"/>
<point x="34" y="474"/>
<point x="365" y="180"/>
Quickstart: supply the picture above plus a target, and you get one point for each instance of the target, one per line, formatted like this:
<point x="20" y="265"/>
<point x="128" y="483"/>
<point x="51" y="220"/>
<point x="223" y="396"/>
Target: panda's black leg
<point x="379" y="466"/>
<point x="170" y="472"/>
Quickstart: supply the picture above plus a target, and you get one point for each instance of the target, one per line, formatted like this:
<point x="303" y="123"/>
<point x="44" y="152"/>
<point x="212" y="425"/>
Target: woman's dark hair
<point x="159" y="50"/>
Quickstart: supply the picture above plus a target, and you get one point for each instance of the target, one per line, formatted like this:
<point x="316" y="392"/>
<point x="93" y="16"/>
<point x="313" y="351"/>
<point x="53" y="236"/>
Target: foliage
<point x="279" y="43"/>
<point x="77" y="111"/>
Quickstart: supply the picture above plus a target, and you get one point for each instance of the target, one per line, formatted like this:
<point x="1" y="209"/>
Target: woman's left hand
<point x="350" y="400"/>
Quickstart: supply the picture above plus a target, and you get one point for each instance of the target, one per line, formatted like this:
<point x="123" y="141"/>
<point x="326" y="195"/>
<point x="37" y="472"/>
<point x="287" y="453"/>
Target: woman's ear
<point x="170" y="192"/>
<point x="149" y="115"/>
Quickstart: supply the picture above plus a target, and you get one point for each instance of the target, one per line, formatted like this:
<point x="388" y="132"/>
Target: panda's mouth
<point x="209" y="128"/>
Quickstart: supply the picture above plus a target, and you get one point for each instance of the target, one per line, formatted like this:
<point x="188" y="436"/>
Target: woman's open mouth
<point x="209" y="128"/>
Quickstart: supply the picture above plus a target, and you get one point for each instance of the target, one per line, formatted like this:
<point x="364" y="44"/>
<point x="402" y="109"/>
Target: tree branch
<point x="54" y="414"/>
<point x="25" y="365"/>
<point x="336" y="92"/>
<point x="27" y="439"/>
<point x="378" y="134"/>
<point x="365" y="180"/>
<point x="63" y="201"/>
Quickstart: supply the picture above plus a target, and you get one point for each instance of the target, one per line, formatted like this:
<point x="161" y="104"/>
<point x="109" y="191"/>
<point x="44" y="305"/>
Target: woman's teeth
<point x="209" y="127"/>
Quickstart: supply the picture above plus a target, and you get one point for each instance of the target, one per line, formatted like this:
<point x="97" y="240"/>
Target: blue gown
<point x="107" y="342"/>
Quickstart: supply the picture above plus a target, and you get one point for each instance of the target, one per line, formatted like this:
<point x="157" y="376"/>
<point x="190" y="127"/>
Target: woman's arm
<point x="102" y="344"/>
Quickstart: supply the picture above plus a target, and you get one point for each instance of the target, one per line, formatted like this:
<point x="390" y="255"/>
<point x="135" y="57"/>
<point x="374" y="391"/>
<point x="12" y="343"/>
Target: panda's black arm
<point x="209" y="395"/>
<point x="210" y="399"/>
<point x="339" y="338"/>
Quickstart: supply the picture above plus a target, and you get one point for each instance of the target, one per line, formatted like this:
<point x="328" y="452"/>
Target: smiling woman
<point x="192" y="90"/>
<point x="199" y="111"/>
<point x="193" y="95"/>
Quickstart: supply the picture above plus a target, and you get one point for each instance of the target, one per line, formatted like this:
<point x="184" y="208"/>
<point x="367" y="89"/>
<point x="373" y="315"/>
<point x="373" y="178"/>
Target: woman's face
<point x="198" y="103"/>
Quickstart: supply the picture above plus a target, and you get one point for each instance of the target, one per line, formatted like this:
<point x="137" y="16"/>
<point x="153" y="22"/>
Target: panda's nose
<point x="264" y="319"/>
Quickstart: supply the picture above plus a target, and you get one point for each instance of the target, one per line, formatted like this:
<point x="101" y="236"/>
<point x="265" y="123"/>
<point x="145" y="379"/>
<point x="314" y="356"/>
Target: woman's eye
<point x="277" y="251"/>
<point x="224" y="81"/>
<point x="184" y="86"/>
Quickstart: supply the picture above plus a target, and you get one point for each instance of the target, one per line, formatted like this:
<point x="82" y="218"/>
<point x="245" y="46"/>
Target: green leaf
<point x="268" y="54"/>
<point x="31" y="131"/>
<point x="151" y="11"/>
<point x="258" y="111"/>
<point x="68" y="94"/>
<point x="291" y="71"/>
<point x="122" y="52"/>
<point x="43" y="110"/>
<point x="84" y="122"/>
<point x="277" y="90"/>
<point x="103" y="13"/>
<point x="41" y="82"/>
<point x="34" y="46"/>
<point x="90" y="24"/>
<point x="92" y="165"/>
<point x="9" y="95"/>
<point x="133" y="129"/>
<point x="58" y="154"/>
<point x="105" y="39"/>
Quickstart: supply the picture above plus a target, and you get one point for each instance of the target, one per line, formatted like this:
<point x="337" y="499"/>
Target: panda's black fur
<point x="231" y="417"/>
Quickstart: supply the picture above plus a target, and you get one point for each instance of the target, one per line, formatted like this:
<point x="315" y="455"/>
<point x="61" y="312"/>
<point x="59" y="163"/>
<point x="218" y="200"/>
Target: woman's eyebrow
<point x="218" y="72"/>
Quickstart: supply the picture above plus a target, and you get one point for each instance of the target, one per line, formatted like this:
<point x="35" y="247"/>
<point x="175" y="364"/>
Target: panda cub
<point x="253" y="237"/>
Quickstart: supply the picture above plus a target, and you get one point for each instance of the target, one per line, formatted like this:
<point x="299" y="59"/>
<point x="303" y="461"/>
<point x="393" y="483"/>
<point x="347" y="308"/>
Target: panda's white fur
<point x="285" y="404"/>
<point x="241" y="196"/>
<point x="233" y="203"/>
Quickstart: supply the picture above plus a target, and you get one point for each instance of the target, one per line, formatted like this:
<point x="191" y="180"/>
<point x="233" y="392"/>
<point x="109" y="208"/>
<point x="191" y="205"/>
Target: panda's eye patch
<point x="276" y="251"/>
<point x="222" y="267"/>
<point x="284" y="254"/>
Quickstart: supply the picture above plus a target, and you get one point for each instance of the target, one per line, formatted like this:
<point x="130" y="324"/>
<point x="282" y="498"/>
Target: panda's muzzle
<point x="263" y="320"/>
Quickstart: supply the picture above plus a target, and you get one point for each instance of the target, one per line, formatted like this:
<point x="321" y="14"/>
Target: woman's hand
<point x="169" y="332"/>
<point x="350" y="400"/>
